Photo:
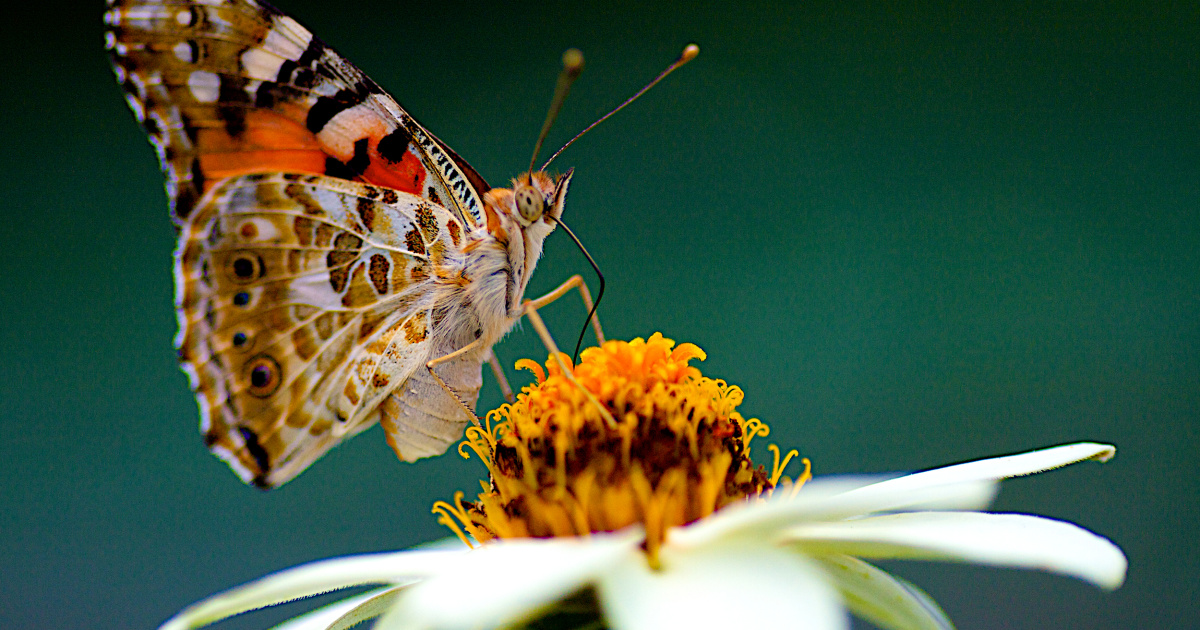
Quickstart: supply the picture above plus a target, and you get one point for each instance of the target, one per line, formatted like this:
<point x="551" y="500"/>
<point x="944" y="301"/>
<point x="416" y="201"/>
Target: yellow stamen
<point x="633" y="434"/>
<point x="777" y="468"/>
<point x="448" y="513"/>
<point x="804" y="478"/>
<point x="754" y="427"/>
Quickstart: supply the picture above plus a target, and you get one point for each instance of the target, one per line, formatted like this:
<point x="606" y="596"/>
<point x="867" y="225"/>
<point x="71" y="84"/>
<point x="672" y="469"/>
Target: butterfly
<point x="329" y="246"/>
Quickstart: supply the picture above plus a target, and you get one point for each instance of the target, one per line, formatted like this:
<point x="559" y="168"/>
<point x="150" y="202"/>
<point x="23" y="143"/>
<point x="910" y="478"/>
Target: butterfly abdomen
<point x="421" y="419"/>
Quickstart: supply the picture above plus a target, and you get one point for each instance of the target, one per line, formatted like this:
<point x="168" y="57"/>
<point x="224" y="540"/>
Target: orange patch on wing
<point x="270" y="142"/>
<point x="351" y="392"/>
<point x="390" y="410"/>
<point x="349" y="127"/>
<point x="414" y="331"/>
<point x="407" y="175"/>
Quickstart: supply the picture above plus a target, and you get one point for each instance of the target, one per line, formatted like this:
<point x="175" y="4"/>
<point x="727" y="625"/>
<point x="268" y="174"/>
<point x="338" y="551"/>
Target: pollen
<point x="634" y="434"/>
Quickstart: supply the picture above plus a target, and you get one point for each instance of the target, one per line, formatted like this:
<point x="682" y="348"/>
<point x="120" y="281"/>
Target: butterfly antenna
<point x="572" y="65"/>
<point x="599" y="294"/>
<point x="689" y="53"/>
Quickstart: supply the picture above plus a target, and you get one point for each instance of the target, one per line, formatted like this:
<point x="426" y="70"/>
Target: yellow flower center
<point x="633" y="434"/>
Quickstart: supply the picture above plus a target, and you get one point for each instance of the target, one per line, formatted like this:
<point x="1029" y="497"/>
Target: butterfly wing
<point x="261" y="130"/>
<point x="235" y="87"/>
<point x="303" y="302"/>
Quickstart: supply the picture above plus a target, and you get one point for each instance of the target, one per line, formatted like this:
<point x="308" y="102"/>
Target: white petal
<point x="343" y="614"/>
<point x="881" y="598"/>
<point x="935" y="489"/>
<point x="508" y="580"/>
<point x="1010" y="540"/>
<point x="721" y="587"/>
<point x="969" y="486"/>
<point x="367" y="609"/>
<point x="994" y="469"/>
<point x="313" y="579"/>
<point x="759" y="520"/>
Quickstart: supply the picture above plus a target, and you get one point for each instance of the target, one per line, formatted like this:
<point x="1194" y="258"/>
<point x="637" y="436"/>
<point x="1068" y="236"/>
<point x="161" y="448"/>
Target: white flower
<point x="621" y="493"/>
<point x="790" y="561"/>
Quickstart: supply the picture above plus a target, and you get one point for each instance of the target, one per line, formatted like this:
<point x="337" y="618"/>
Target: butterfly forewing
<point x="233" y="87"/>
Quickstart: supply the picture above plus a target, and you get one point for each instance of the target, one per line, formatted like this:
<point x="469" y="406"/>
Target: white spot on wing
<point x="184" y="18"/>
<point x="194" y="380"/>
<point x="144" y="13"/>
<point x="139" y="85"/>
<point x="205" y="86"/>
<point x="160" y="148"/>
<point x="261" y="64"/>
<point x="139" y="112"/>
<point x="265" y="230"/>
<point x="300" y="35"/>
<point x="252" y="89"/>
<point x="183" y="52"/>
<point x="287" y="39"/>
<point x="234" y="463"/>
<point x="348" y="126"/>
<point x="159" y="122"/>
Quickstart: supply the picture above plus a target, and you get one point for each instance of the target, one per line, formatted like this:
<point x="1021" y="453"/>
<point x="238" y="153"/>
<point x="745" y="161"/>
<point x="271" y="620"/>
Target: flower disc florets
<point x="633" y="434"/>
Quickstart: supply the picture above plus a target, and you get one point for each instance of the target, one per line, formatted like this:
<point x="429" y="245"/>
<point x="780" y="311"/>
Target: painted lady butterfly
<point x="329" y="247"/>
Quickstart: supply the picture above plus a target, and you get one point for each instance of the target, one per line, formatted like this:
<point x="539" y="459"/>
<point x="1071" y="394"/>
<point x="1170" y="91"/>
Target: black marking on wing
<point x="233" y="100"/>
<point x="299" y="72"/>
<point x="256" y="451"/>
<point x="361" y="160"/>
<point x="327" y="107"/>
<point x="336" y="168"/>
<point x="393" y="146"/>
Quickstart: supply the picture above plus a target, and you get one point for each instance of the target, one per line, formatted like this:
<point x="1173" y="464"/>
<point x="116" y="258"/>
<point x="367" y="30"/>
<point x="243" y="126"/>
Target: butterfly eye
<point x="264" y="376"/>
<point x="530" y="203"/>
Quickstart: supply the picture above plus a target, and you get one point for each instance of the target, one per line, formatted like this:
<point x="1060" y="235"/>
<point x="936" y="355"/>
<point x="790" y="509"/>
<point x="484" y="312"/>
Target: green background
<point x="914" y="233"/>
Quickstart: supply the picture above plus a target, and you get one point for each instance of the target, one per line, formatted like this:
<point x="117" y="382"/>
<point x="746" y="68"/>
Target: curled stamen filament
<point x="447" y="514"/>
<point x="777" y="468"/>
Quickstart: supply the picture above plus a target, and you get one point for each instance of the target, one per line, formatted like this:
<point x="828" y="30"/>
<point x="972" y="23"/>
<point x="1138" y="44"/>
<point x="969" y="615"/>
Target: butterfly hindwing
<point x="229" y="87"/>
<point x="303" y="302"/>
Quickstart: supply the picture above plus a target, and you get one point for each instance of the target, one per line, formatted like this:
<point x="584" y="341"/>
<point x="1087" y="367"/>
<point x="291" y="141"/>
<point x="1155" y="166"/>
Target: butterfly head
<point x="538" y="198"/>
<point x="529" y="210"/>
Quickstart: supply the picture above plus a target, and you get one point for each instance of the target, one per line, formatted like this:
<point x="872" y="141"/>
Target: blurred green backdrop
<point x="914" y="233"/>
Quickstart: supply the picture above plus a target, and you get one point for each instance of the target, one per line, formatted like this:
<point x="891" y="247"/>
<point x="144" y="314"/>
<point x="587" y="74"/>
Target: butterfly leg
<point x="536" y="321"/>
<point x="453" y="394"/>
<point x="501" y="380"/>
<point x="573" y="282"/>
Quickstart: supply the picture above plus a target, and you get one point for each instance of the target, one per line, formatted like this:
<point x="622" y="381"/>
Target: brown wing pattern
<point x="303" y="302"/>
<point x="230" y="87"/>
